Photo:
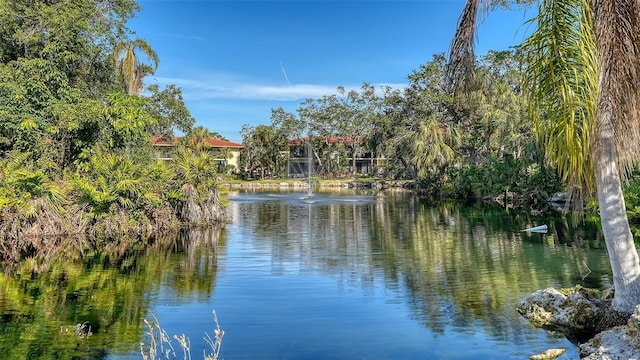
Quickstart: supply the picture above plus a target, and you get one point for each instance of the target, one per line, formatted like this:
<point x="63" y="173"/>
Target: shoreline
<point x="321" y="184"/>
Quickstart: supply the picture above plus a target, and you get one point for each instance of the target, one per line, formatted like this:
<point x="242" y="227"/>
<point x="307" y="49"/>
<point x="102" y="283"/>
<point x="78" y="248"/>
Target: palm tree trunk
<point x="462" y="53"/>
<point x="615" y="225"/>
<point x="408" y="168"/>
<point x="616" y="31"/>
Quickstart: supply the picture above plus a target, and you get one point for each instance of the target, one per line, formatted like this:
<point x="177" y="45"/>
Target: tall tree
<point x="322" y="118"/>
<point x="168" y="108"/>
<point x="612" y="129"/>
<point x="130" y="66"/>
<point x="264" y="150"/>
<point x="74" y="35"/>
<point x="363" y="107"/>
<point x="617" y="137"/>
<point x="426" y="142"/>
<point x="286" y="123"/>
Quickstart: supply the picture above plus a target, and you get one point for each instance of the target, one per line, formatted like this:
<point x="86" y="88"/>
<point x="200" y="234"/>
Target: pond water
<point x="340" y="276"/>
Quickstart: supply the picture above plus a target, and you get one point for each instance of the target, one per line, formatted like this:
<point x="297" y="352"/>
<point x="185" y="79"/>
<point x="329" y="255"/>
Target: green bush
<point x="528" y="184"/>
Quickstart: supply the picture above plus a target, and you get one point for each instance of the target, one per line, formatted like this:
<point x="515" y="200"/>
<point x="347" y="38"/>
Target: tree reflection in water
<point x="316" y="276"/>
<point x="108" y="293"/>
<point x="458" y="268"/>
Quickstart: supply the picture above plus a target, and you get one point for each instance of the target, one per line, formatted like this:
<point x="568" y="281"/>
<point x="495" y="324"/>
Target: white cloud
<point x="224" y="87"/>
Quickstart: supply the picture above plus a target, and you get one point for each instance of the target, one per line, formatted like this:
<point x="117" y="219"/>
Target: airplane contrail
<point x="284" y="73"/>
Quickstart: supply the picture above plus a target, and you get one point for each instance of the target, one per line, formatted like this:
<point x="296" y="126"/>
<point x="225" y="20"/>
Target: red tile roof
<point x="347" y="140"/>
<point x="215" y="143"/>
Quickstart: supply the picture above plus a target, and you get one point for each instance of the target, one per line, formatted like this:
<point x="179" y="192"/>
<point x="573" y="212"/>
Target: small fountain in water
<point x="310" y="197"/>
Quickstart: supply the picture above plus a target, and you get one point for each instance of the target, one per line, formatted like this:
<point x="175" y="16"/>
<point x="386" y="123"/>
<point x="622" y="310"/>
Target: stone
<point x="579" y="313"/>
<point x="587" y="320"/>
<point x="559" y="310"/>
<point x="548" y="354"/>
<point x="618" y="343"/>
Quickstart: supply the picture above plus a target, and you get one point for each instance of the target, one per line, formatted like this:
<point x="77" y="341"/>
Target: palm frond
<point x="431" y="145"/>
<point x="560" y="85"/>
<point x="128" y="63"/>
<point x="152" y="198"/>
<point x="145" y="47"/>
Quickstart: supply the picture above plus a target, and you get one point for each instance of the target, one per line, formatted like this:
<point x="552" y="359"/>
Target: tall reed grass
<point x="160" y="344"/>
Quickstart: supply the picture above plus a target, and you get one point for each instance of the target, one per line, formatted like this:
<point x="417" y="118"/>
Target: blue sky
<point x="236" y="60"/>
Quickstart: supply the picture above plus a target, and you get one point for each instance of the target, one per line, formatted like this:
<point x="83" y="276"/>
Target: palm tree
<point x="198" y="139"/>
<point x="129" y="66"/>
<point x="581" y="79"/>
<point x="461" y="53"/>
<point x="433" y="146"/>
<point x="616" y="137"/>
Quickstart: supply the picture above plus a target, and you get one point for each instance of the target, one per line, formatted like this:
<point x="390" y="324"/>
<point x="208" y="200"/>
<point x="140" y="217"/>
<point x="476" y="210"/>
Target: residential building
<point x="302" y="160"/>
<point x="225" y="153"/>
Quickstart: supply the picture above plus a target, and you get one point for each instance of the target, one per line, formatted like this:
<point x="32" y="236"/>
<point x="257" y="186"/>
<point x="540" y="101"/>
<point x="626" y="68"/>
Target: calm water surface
<point x="345" y="276"/>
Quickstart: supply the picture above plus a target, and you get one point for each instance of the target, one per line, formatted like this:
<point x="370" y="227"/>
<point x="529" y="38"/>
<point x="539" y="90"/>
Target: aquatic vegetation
<point x="160" y="345"/>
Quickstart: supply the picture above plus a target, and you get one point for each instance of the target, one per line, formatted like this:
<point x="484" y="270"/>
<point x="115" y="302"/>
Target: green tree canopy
<point x="76" y="36"/>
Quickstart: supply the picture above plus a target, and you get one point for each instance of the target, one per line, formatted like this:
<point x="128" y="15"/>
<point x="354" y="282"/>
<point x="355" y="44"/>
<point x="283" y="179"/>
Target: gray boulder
<point x="618" y="343"/>
<point x="579" y="313"/>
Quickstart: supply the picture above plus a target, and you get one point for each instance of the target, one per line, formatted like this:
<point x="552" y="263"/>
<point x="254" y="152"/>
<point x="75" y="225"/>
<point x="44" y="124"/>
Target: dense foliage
<point x="75" y="131"/>
<point x="474" y="145"/>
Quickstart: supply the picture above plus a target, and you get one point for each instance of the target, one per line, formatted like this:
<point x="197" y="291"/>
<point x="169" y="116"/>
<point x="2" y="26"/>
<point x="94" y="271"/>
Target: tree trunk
<point x="320" y="164"/>
<point x="615" y="30"/>
<point x="371" y="169"/>
<point x="353" y="160"/>
<point x="613" y="216"/>
<point x="408" y="168"/>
